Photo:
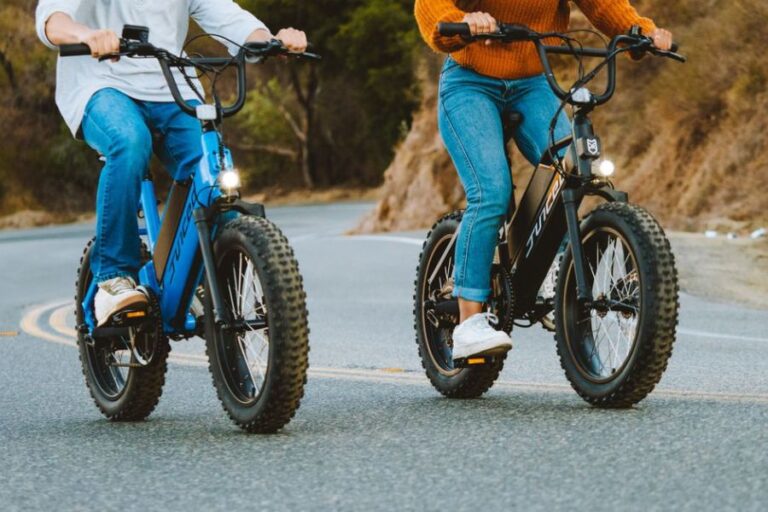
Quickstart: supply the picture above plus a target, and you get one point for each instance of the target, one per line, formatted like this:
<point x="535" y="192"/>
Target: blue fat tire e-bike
<point x="213" y="266"/>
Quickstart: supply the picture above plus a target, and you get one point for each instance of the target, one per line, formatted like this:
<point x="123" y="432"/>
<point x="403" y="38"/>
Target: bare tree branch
<point x="272" y="149"/>
<point x="295" y="127"/>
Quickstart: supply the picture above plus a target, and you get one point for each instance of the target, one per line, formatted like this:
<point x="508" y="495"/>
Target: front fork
<point x="204" y="218"/>
<point x="572" y="200"/>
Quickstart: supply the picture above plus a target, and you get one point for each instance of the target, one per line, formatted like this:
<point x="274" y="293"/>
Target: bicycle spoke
<point x="246" y="302"/>
<point x="614" y="285"/>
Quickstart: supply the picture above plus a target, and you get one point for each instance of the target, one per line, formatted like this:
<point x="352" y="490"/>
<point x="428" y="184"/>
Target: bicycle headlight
<point x="229" y="182"/>
<point x="604" y="168"/>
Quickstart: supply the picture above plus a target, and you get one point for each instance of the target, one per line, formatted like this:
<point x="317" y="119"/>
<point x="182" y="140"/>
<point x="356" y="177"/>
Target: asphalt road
<point x="371" y="432"/>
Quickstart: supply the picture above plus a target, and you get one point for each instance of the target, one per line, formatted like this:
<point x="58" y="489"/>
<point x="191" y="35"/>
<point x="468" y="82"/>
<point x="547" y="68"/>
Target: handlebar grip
<point x="74" y="50"/>
<point x="454" y="29"/>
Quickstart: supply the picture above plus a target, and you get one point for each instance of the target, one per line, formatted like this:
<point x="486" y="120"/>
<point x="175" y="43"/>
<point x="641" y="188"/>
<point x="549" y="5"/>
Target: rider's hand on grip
<point x="74" y="50"/>
<point x="454" y="29"/>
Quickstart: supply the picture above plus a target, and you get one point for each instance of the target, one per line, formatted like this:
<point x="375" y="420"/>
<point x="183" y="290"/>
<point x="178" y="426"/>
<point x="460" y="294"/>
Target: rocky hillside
<point x="690" y="141"/>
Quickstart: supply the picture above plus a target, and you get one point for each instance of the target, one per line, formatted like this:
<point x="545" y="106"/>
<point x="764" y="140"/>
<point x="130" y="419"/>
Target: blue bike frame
<point x="175" y="284"/>
<point x="181" y="242"/>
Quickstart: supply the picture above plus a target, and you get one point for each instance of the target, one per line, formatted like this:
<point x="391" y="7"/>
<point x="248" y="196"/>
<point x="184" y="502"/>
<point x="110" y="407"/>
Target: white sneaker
<point x="475" y="336"/>
<point x="116" y="295"/>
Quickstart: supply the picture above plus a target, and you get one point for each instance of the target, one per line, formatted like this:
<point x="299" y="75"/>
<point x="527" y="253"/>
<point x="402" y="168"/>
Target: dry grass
<point x="690" y="140"/>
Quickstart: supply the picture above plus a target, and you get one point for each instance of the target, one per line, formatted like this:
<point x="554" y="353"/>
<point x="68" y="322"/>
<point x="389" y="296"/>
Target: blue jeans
<point x="121" y="128"/>
<point x="470" y="110"/>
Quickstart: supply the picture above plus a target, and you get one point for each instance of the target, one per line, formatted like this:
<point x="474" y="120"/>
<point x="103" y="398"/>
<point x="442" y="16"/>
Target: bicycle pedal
<point x="474" y="361"/>
<point x="128" y="318"/>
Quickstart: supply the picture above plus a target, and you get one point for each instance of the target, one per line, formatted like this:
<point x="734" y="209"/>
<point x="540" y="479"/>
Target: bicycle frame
<point x="181" y="254"/>
<point x="174" y="240"/>
<point x="548" y="210"/>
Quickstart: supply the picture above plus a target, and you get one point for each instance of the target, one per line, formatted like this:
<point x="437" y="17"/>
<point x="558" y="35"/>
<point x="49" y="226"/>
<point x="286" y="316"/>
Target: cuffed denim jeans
<point x="470" y="110"/>
<point x="120" y="128"/>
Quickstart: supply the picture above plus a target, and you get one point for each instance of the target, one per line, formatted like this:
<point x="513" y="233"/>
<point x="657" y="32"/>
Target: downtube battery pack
<point x="177" y="199"/>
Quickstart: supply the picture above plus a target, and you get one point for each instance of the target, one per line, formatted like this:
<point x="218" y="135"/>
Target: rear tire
<point x="121" y="394"/>
<point x="615" y="355"/>
<point x="260" y="392"/>
<point x="435" y="343"/>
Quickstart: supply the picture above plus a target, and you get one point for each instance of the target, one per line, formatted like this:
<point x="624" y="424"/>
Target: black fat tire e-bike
<point x="615" y="305"/>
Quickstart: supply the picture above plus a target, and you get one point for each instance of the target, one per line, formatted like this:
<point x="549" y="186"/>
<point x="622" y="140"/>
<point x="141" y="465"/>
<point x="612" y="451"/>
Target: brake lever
<point x="670" y="55"/>
<point x="646" y="46"/>
<point x="304" y="55"/>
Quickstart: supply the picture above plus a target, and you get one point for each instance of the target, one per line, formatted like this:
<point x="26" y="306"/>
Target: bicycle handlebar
<point x="249" y="52"/>
<point x="516" y="33"/>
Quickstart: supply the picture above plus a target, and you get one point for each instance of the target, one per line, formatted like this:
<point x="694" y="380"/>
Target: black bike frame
<point x="548" y="210"/>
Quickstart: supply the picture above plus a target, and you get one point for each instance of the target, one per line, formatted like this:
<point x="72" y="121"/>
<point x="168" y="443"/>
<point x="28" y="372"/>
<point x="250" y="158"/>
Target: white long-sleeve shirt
<point x="78" y="78"/>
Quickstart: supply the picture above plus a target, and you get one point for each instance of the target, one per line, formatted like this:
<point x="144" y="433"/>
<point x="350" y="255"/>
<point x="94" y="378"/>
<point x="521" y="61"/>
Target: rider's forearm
<point x="260" y="36"/>
<point x="62" y="29"/>
<point x="431" y="12"/>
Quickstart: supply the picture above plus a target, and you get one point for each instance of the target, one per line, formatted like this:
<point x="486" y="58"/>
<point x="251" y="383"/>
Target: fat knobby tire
<point x="282" y="284"/>
<point x="468" y="382"/>
<point x="144" y="385"/>
<point x="658" y="316"/>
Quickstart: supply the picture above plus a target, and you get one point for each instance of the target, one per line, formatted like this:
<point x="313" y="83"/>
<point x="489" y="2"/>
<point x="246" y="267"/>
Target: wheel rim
<point x="603" y="338"/>
<point x="244" y="352"/>
<point x="107" y="359"/>
<point x="439" y="340"/>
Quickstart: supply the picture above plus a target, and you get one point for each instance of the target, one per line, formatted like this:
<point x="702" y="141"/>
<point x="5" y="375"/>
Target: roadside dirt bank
<point x="723" y="270"/>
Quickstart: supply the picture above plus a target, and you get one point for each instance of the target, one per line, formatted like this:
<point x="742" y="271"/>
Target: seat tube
<point x="149" y="207"/>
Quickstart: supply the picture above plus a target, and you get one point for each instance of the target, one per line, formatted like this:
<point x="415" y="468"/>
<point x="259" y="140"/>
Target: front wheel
<point x="615" y="348"/>
<point x="259" y="366"/>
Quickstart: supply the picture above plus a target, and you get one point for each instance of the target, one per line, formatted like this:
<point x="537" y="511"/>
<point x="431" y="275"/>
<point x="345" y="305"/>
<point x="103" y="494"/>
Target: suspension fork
<point x="220" y="316"/>
<point x="572" y="200"/>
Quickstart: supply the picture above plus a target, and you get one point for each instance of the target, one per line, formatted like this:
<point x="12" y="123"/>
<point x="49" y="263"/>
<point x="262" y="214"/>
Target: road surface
<point x="371" y="432"/>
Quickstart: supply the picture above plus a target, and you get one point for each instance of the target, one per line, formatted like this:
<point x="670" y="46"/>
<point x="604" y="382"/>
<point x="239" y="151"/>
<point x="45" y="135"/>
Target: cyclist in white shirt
<point x="117" y="105"/>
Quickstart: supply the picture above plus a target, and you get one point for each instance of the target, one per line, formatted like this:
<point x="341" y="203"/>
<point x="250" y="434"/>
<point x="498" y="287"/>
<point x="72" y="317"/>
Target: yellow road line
<point x="30" y="324"/>
<point x="58" y="321"/>
<point x="31" y="320"/>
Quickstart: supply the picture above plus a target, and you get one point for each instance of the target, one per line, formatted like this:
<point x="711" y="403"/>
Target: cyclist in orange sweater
<point x="478" y="84"/>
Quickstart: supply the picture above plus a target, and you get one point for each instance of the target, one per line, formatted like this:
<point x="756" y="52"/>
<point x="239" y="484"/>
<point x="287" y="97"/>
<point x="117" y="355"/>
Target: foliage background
<point x="690" y="140"/>
<point x="306" y="125"/>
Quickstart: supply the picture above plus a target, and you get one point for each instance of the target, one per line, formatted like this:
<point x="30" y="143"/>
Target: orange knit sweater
<point x="518" y="60"/>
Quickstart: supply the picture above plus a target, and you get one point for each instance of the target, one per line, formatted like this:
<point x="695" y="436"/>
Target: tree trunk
<point x="306" y="101"/>
<point x="7" y="66"/>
